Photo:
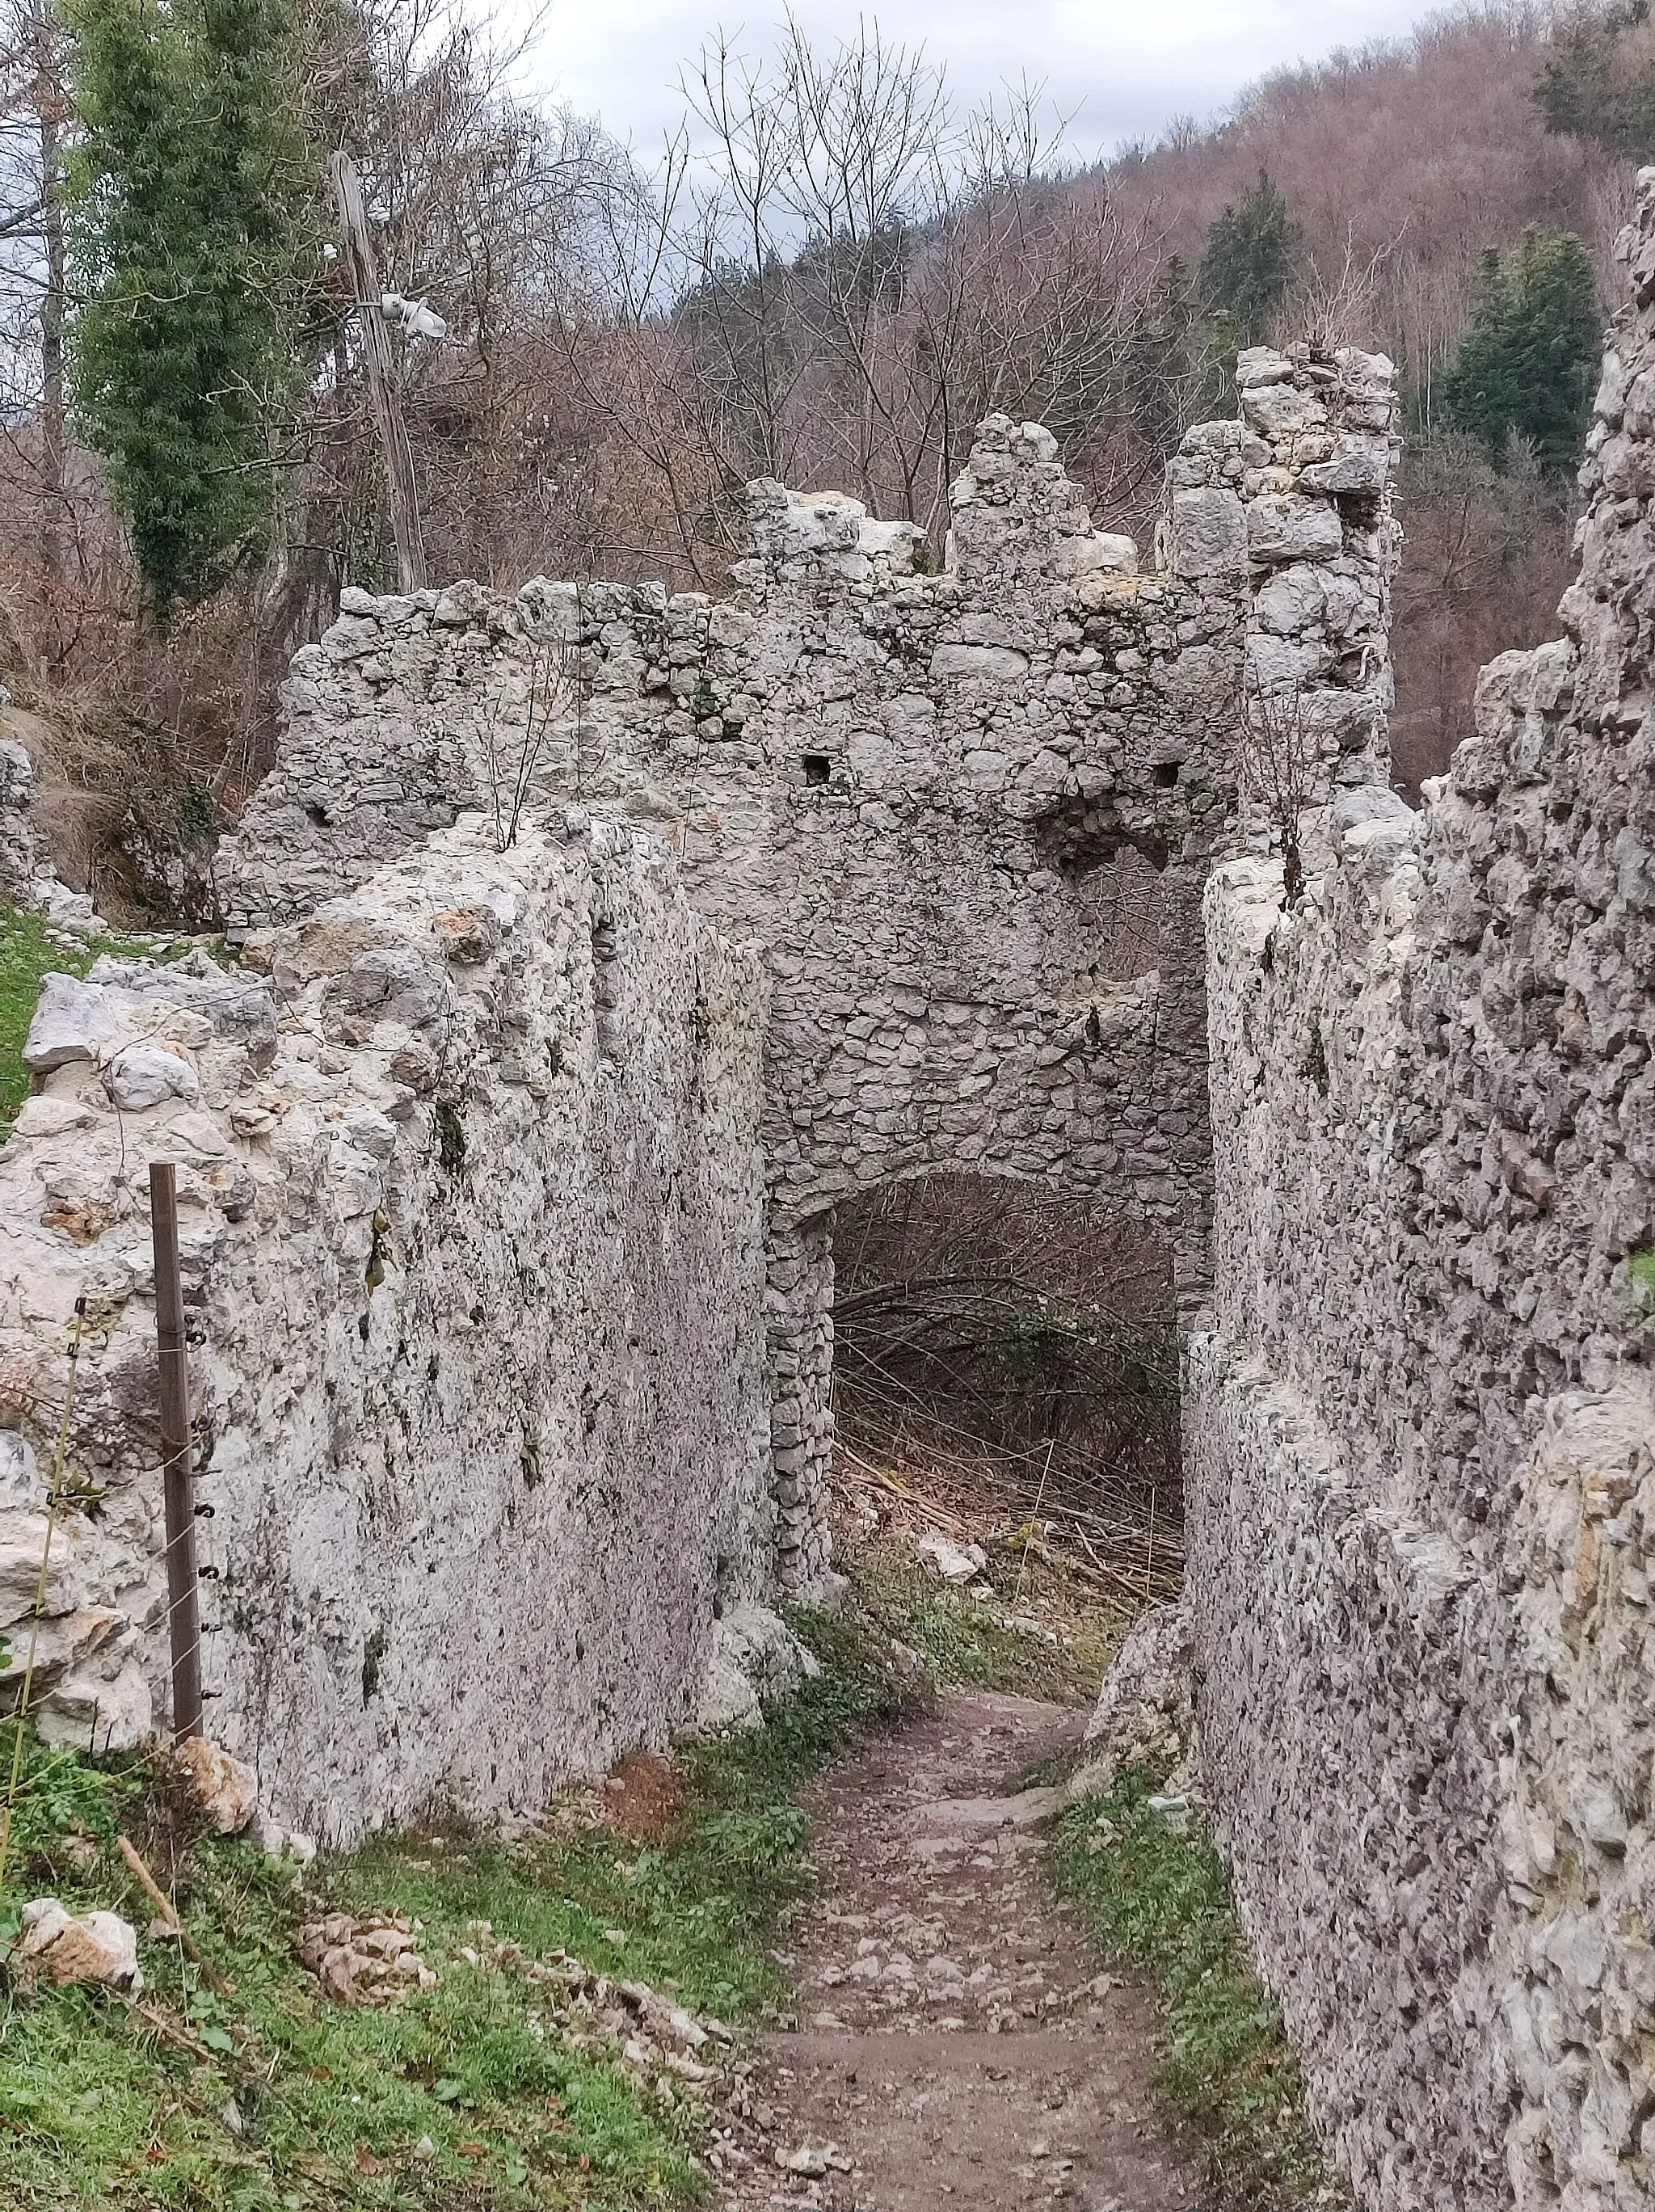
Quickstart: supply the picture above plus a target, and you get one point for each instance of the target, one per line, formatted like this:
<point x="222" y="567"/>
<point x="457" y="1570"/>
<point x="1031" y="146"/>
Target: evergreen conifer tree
<point x="193" y="219"/>
<point x="1248" y="263"/>
<point x="1527" y="366"/>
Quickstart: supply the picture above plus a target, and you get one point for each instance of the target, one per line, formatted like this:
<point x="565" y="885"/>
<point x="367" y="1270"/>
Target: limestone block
<point x="1210" y="533"/>
<point x="1359" y="466"/>
<point x="1295" y="599"/>
<point x="1366" y="372"/>
<point x="755" y="1656"/>
<point x="47" y="1116"/>
<point x="1282" y="528"/>
<point x="1099" y="549"/>
<point x="106" y="1705"/>
<point x="787" y="525"/>
<point x="141" y="1076"/>
<point x="22" y="1547"/>
<point x="461" y="604"/>
<point x="1145" y="1709"/>
<point x="978" y="664"/>
<point x="955" y="1563"/>
<point x="1261" y="365"/>
<point x="224" y="1789"/>
<point x="890" y="541"/>
<point x="97" y="1947"/>
<point x="1280" y="409"/>
<point x="72" y="1021"/>
<point x="21" y="1485"/>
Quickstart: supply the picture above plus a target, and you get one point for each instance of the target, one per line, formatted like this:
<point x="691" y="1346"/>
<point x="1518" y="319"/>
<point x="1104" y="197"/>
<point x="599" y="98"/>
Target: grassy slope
<point x="961" y="1640"/>
<point x="1155" y="1895"/>
<point x="99" y="2107"/>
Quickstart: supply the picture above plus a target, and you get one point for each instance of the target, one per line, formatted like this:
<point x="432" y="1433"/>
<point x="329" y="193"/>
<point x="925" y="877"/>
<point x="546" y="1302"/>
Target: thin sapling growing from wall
<point x="514" y="752"/>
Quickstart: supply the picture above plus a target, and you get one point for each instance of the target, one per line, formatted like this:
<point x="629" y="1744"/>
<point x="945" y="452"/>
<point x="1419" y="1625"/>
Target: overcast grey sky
<point x="1126" y="66"/>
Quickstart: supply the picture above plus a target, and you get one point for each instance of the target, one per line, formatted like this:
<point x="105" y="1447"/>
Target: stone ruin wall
<point x="472" y="1226"/>
<point x="1420" y="1421"/>
<point x="535" y="1117"/>
<point x="931" y="797"/>
<point x="1419" y="1412"/>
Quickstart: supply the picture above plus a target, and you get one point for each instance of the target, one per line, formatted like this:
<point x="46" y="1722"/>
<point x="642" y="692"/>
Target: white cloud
<point x="1121" y="68"/>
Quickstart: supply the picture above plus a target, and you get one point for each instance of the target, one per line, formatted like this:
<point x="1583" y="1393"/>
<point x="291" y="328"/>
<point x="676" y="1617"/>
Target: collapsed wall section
<point x="1420" y="1429"/>
<point x="472" y="1226"/>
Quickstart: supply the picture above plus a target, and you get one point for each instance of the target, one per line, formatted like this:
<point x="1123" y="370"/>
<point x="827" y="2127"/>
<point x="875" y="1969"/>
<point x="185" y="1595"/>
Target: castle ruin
<point x="597" y="943"/>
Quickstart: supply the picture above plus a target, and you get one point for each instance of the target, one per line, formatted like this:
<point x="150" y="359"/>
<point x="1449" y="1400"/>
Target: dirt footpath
<point x="956" y="2042"/>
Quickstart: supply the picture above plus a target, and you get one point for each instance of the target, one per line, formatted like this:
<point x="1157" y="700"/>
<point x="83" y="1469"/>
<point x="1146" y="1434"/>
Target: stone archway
<point x="799" y="1300"/>
<point x="910" y="789"/>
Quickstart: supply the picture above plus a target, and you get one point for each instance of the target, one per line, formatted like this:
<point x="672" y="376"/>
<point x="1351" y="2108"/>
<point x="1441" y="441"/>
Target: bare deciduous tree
<point x="1022" y="1337"/>
<point x="834" y="275"/>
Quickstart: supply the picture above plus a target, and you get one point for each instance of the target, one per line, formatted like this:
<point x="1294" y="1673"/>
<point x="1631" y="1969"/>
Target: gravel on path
<point x="956" y="2042"/>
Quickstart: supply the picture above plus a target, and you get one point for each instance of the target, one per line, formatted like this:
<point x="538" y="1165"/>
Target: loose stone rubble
<point x="371" y="1961"/>
<point x="95" y="1946"/>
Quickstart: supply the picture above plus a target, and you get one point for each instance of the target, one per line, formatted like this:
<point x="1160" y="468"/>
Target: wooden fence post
<point x="183" y="1597"/>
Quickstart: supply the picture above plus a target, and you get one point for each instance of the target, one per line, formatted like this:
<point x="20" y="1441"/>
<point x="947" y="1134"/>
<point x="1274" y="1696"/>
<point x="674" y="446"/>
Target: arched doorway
<point x="1011" y="1351"/>
<point x="995" y="1334"/>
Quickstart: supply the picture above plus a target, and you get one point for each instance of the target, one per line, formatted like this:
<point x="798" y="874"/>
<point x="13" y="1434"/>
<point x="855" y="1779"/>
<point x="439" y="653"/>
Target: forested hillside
<point x="580" y="357"/>
<point x="1399" y="169"/>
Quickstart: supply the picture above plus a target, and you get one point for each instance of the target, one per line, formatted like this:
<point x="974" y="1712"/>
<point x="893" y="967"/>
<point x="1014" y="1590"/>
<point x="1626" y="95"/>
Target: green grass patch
<point x="102" y="2104"/>
<point x="1155" y="1895"/>
<point x="961" y="1638"/>
<point x="27" y="953"/>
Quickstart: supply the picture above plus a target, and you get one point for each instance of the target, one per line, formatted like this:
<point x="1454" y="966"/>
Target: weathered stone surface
<point x="72" y="1021"/>
<point x="916" y="790"/>
<point x="1421" y="1422"/>
<point x="27" y="872"/>
<point x="754" y="1657"/>
<point x="1145" y="1709"/>
<point x="478" y="1361"/>
<point x="224" y="1789"/>
<point x="144" y="1075"/>
<point x="1211" y="527"/>
<point x="1281" y="526"/>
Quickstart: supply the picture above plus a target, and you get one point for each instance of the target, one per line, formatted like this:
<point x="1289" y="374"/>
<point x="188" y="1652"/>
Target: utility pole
<point x="383" y="394"/>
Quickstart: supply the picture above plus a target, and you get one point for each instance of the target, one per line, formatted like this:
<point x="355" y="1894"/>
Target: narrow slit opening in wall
<point x="1010" y="1352"/>
<point x="604" y="990"/>
<point x="817" y="768"/>
<point x="1117" y="920"/>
